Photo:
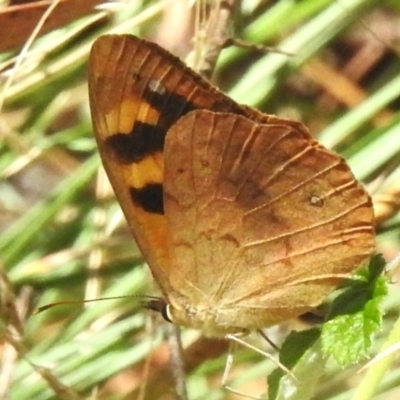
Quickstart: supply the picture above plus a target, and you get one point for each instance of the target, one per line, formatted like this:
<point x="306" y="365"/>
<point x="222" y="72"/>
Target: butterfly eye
<point x="166" y="313"/>
<point x="160" y="306"/>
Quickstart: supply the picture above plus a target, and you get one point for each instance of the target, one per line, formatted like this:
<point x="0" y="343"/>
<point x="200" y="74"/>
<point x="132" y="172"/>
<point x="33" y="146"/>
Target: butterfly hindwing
<point x="244" y="203"/>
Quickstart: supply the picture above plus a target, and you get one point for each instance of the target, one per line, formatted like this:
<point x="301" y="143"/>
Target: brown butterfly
<point x="244" y="219"/>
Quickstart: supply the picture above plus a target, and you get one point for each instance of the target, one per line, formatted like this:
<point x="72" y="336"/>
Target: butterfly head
<point x="206" y="319"/>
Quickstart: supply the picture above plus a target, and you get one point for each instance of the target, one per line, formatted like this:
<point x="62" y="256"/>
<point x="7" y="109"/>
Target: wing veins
<point x="226" y="148"/>
<point x="267" y="150"/>
<point x="292" y="189"/>
<point x="305" y="229"/>
<point x="307" y="251"/>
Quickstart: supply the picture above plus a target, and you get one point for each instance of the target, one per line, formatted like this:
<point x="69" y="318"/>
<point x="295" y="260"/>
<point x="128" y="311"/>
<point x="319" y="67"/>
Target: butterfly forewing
<point x="137" y="92"/>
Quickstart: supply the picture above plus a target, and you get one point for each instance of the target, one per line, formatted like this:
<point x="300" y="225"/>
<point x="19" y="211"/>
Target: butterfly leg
<point x="176" y="360"/>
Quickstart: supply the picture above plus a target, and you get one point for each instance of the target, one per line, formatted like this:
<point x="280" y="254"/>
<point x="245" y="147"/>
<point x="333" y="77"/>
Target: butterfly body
<point x="244" y="219"/>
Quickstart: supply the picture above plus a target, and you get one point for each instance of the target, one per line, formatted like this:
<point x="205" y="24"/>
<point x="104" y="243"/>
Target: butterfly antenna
<point x="69" y="302"/>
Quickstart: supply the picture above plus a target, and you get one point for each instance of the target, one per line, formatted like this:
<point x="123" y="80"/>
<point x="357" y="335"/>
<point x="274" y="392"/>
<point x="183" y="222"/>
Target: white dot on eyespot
<point x="156" y="86"/>
<point x="316" y="201"/>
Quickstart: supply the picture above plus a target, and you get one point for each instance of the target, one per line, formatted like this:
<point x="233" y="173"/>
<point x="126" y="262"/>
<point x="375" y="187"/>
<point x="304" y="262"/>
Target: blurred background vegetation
<point x="63" y="237"/>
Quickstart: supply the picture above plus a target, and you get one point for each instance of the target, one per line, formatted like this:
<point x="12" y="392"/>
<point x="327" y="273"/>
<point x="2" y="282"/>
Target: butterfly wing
<point x="263" y="220"/>
<point x="138" y="92"/>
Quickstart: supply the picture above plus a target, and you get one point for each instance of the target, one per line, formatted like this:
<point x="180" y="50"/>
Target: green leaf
<point x="301" y="354"/>
<point x="356" y="316"/>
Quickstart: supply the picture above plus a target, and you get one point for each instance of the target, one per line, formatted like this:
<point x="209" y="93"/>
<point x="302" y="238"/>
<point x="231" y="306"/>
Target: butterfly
<point x="243" y="218"/>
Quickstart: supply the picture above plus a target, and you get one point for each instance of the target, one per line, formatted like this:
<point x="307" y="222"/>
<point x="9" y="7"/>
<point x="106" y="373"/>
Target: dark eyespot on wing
<point x="144" y="140"/>
<point x="171" y="106"/>
<point x="149" y="197"/>
<point x="316" y="201"/>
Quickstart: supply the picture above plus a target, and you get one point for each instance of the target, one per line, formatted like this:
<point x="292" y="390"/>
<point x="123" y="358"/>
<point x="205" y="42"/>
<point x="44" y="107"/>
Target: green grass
<point x="63" y="238"/>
